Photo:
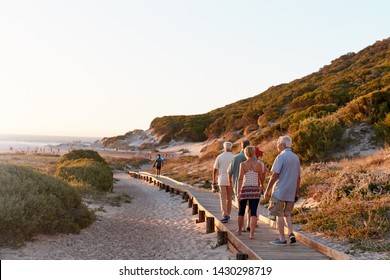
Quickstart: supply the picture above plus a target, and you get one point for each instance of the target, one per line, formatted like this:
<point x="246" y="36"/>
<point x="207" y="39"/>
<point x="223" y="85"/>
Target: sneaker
<point x="292" y="238"/>
<point x="224" y="219"/>
<point x="272" y="218"/>
<point x="228" y="217"/>
<point x="278" y="242"/>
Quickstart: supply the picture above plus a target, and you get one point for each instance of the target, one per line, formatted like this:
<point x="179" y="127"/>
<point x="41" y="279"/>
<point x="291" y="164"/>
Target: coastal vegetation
<point x="353" y="89"/>
<point x="351" y="200"/>
<point x="85" y="169"/>
<point x="32" y="203"/>
<point x="48" y="194"/>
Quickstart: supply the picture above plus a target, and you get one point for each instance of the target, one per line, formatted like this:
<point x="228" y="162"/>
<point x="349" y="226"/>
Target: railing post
<point x="210" y="225"/>
<point x="194" y="209"/>
<point x="201" y="217"/>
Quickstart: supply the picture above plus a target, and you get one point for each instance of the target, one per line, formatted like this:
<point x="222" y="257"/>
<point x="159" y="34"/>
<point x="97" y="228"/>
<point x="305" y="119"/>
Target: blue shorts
<point x="253" y="203"/>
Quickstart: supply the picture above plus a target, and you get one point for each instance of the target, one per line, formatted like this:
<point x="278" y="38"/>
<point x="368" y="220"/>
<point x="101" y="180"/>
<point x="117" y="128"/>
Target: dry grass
<point x="327" y="181"/>
<point x="43" y="162"/>
<point x="353" y="200"/>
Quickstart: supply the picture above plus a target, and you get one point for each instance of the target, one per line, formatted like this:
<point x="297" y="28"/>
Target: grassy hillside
<point x="353" y="89"/>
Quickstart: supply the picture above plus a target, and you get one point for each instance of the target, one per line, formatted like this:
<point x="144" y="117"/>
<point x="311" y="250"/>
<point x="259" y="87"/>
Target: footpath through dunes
<point x="206" y="205"/>
<point x="154" y="226"/>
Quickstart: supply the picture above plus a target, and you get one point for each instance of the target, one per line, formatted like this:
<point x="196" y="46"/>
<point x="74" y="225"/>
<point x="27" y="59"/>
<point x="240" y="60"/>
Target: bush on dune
<point x="34" y="203"/>
<point x="82" y="154"/>
<point x="86" y="173"/>
<point x="85" y="169"/>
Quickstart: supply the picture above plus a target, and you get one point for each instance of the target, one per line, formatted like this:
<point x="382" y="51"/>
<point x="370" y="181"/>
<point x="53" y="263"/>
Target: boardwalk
<point x="258" y="248"/>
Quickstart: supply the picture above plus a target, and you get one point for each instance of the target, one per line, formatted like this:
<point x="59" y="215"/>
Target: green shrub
<point x="86" y="173"/>
<point x="82" y="154"/>
<point x="369" y="108"/>
<point x="382" y="130"/>
<point x="34" y="203"/>
<point x="316" y="138"/>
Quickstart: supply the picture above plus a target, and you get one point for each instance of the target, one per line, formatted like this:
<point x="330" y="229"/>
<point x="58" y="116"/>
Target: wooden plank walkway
<point x="259" y="248"/>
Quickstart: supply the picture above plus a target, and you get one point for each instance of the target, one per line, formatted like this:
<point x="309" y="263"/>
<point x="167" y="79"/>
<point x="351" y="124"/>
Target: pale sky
<point x="103" y="68"/>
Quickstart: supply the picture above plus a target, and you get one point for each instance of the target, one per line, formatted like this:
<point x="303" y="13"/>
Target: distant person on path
<point x="158" y="163"/>
<point x="286" y="177"/>
<point x="234" y="169"/>
<point x="220" y="167"/>
<point x="250" y="187"/>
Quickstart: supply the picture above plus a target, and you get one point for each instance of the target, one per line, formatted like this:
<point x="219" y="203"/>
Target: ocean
<point x="26" y="143"/>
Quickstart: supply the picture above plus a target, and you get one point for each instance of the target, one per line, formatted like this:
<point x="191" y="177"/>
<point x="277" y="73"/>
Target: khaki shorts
<point x="280" y="208"/>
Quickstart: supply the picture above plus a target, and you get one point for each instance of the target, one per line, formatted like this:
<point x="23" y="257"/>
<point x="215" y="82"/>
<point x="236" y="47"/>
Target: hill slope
<point x="322" y="111"/>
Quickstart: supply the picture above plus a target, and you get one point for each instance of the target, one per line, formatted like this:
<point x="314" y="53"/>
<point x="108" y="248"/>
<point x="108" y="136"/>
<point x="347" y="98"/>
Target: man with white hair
<point x="220" y="167"/>
<point x="286" y="177"/>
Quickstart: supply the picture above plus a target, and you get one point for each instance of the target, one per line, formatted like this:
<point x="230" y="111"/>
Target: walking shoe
<point x="292" y="238"/>
<point x="224" y="219"/>
<point x="228" y="217"/>
<point x="278" y="242"/>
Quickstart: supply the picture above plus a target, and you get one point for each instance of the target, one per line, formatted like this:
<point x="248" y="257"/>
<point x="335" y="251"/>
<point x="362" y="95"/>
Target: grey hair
<point x="227" y="145"/>
<point x="285" y="140"/>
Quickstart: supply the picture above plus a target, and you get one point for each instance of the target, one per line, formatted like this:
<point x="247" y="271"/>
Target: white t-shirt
<point x="222" y="163"/>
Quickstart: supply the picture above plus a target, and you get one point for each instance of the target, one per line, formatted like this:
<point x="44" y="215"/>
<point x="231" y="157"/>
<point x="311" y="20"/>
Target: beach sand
<point x="154" y="226"/>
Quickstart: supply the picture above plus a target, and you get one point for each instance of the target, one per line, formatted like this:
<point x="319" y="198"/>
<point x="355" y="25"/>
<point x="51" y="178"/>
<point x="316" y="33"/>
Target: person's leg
<point x="278" y="211"/>
<point x="280" y="219"/>
<point x="241" y="213"/>
<point x="248" y="216"/>
<point x="288" y="221"/>
<point x="280" y="222"/>
<point x="222" y="199"/>
<point x="287" y="215"/>
<point x="253" y="203"/>
<point x="229" y="194"/>
<point x="253" y="227"/>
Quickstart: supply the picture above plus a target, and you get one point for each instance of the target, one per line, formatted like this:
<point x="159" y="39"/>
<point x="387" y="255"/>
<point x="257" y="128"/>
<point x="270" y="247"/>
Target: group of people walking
<point x="242" y="176"/>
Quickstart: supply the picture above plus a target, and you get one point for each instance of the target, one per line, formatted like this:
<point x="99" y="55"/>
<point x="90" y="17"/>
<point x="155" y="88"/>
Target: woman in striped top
<point x="250" y="187"/>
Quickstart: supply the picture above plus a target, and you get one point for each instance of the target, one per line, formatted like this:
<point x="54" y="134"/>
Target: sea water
<point x="26" y="143"/>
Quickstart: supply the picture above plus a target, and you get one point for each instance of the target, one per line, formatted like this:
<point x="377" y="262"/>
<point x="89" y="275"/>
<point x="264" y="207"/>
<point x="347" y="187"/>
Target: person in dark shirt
<point x="158" y="163"/>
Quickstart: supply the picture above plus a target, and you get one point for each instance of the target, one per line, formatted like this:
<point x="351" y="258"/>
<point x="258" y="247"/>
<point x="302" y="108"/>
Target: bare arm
<point x="261" y="175"/>
<point x="215" y="175"/>
<point x="298" y="186"/>
<point x="268" y="191"/>
<point x="240" y="180"/>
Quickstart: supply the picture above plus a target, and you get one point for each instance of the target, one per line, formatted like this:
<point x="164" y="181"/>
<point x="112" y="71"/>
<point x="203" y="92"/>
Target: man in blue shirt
<point x="158" y="163"/>
<point x="286" y="177"/>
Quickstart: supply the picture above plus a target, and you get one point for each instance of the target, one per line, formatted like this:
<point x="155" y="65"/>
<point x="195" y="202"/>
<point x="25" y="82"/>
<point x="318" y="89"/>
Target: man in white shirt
<point x="220" y="167"/>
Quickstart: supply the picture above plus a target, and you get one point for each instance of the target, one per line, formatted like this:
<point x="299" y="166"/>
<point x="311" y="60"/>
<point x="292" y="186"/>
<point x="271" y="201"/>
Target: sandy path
<point x="154" y="226"/>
